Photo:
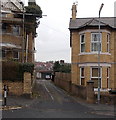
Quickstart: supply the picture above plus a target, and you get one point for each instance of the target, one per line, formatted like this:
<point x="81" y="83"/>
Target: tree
<point x="66" y="68"/>
<point x="36" y="12"/>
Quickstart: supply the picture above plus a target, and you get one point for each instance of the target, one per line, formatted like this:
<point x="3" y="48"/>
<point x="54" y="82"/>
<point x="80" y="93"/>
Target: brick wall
<point x="63" y="80"/>
<point x="19" y="88"/>
<point x="84" y="92"/>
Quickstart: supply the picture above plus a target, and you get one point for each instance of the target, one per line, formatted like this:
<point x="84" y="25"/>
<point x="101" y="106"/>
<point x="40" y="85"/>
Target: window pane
<point x="3" y="53"/>
<point x="82" y="72"/>
<point x="108" y="37"/>
<point x="82" y="38"/>
<point x="82" y="47"/>
<point x="16" y="30"/>
<point x="82" y="81"/>
<point x="95" y="37"/>
<point x="94" y="47"/>
<point x="107" y="72"/>
<point x="4" y="27"/>
<point x="15" y="55"/>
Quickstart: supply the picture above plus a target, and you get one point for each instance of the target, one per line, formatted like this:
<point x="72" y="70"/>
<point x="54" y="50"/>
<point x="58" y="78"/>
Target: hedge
<point x="14" y="71"/>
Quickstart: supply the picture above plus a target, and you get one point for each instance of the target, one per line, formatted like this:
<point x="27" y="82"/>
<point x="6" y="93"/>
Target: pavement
<point x="100" y="109"/>
<point x="19" y="102"/>
<point x="16" y="102"/>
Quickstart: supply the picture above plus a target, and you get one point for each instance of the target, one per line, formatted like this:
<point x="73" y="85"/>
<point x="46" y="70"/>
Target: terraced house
<point x="15" y="43"/>
<point x="84" y="38"/>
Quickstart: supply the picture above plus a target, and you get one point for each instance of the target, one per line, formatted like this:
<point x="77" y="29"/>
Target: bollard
<point x="5" y="94"/>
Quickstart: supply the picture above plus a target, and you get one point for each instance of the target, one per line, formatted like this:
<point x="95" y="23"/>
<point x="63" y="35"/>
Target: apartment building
<point x="85" y="56"/>
<point x="15" y="43"/>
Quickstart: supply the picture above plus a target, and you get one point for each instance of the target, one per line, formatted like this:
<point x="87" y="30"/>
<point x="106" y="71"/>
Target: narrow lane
<point x="52" y="102"/>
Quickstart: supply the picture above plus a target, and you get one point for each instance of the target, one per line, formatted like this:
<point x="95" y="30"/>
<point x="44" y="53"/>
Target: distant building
<point x="44" y="70"/>
<point x="84" y="37"/>
<point x="16" y="44"/>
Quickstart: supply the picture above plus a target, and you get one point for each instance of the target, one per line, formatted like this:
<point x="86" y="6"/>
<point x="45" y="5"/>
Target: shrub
<point x="27" y="67"/>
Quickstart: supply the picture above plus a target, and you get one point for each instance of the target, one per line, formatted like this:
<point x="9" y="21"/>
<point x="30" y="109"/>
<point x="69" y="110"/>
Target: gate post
<point x="90" y="92"/>
<point x="27" y="88"/>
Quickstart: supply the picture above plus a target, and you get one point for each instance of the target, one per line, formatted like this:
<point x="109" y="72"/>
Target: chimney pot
<point x="74" y="11"/>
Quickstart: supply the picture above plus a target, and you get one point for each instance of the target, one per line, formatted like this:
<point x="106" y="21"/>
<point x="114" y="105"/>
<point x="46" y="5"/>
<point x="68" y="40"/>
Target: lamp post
<point x="99" y="49"/>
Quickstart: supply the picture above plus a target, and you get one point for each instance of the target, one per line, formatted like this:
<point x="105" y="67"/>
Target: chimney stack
<point x="74" y="11"/>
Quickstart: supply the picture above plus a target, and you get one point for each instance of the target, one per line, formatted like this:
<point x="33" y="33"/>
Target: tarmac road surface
<point x="53" y="102"/>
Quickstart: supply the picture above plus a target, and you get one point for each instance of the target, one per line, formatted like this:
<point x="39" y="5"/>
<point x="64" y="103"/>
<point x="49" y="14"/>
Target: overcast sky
<point x="53" y="41"/>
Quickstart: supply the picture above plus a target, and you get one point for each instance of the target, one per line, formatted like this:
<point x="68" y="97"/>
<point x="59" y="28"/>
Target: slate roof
<point x="81" y="22"/>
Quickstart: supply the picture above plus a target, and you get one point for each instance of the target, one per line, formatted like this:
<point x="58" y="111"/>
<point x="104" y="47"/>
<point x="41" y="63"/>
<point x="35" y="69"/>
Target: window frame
<point x="82" y="43"/>
<point x="93" y="42"/>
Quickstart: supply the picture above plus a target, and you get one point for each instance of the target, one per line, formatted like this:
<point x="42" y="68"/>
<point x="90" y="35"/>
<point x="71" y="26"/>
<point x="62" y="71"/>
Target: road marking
<point x="48" y="92"/>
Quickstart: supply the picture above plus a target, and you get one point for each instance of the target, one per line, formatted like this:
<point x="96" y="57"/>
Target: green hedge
<point x="14" y="71"/>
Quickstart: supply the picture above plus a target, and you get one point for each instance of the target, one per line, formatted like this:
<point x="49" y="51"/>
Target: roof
<point x="10" y="5"/>
<point x="81" y="22"/>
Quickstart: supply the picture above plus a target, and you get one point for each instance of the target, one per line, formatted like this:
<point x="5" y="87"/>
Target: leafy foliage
<point x="14" y="71"/>
<point x="27" y="67"/>
<point x="36" y="12"/>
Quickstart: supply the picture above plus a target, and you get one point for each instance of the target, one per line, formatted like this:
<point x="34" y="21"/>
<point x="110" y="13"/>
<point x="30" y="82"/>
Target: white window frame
<point x="108" y="43"/>
<point x="82" y="77"/>
<point x="82" y="43"/>
<point x="97" y="77"/>
<point x="96" y="42"/>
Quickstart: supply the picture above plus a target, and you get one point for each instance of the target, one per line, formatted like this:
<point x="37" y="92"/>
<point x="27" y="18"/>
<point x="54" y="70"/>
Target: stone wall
<point x="27" y="86"/>
<point x="63" y="80"/>
<point x="79" y="91"/>
<point x="19" y="88"/>
<point x="84" y="92"/>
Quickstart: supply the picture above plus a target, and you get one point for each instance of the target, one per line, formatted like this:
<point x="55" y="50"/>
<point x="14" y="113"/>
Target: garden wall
<point x="63" y="80"/>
